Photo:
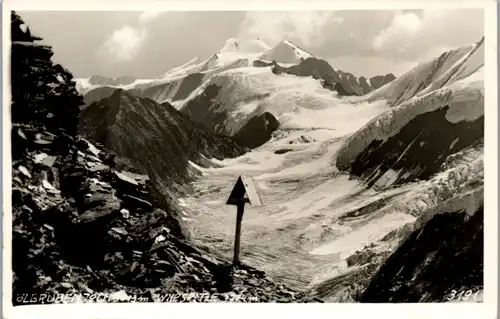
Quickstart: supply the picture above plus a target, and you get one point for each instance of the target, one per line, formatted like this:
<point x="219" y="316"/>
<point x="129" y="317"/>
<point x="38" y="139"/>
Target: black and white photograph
<point x="248" y="156"/>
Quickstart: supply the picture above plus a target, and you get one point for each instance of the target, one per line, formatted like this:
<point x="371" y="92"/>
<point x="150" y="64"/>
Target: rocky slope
<point x="82" y="227"/>
<point x="442" y="256"/>
<point x="83" y="223"/>
<point x="432" y="141"/>
<point x="97" y="94"/>
<point x="164" y="140"/>
<point x="416" y="136"/>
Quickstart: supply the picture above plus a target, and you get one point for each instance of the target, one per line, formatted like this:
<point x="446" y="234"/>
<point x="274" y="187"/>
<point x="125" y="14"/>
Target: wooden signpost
<point x="244" y="191"/>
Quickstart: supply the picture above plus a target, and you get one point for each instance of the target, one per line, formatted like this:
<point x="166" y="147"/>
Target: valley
<point x="344" y="180"/>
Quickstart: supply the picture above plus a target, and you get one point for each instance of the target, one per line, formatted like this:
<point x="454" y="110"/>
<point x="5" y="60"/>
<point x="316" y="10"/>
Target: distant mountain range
<point x="177" y="83"/>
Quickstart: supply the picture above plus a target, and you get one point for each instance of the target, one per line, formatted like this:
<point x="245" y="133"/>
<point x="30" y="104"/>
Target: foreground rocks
<point x="82" y="227"/>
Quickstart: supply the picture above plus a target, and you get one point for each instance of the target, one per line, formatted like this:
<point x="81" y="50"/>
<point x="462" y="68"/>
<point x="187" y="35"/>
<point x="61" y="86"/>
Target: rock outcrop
<point x="443" y="255"/>
<point x="41" y="90"/>
<point x="257" y="131"/>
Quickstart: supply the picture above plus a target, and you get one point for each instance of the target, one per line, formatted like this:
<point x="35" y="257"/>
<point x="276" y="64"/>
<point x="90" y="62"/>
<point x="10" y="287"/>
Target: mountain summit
<point x="244" y="45"/>
<point x="286" y="52"/>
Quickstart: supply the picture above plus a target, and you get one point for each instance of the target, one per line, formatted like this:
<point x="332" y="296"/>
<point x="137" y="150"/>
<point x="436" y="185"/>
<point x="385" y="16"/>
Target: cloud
<point x="272" y="27"/>
<point x="414" y="36"/>
<point x="400" y="34"/>
<point x="126" y="43"/>
<point x="149" y="16"/>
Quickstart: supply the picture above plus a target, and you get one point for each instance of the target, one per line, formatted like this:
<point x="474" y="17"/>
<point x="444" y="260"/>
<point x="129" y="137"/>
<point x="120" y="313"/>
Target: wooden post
<point x="244" y="191"/>
<point x="239" y="217"/>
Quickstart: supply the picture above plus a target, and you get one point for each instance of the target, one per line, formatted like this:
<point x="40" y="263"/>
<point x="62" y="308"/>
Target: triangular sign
<point x="244" y="191"/>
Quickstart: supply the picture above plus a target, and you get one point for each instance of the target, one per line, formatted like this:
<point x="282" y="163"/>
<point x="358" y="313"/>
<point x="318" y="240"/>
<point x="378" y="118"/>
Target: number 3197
<point x="463" y="295"/>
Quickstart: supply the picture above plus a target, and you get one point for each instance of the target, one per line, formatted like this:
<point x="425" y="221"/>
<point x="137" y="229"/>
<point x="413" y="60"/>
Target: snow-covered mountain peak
<point x="286" y="52"/>
<point x="450" y="67"/>
<point x="244" y="45"/>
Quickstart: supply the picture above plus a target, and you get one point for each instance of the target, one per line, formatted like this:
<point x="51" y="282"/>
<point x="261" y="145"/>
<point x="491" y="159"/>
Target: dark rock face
<point x="364" y="84"/>
<point x="188" y="85"/>
<point x="41" y="91"/>
<point x="164" y="138"/>
<point x="257" y="131"/>
<point x="445" y="254"/>
<point x="283" y="151"/>
<point x="262" y="64"/>
<point x="311" y="67"/>
<point x="98" y="94"/>
<point x="381" y="80"/>
<point x="344" y="83"/>
<point x="199" y="109"/>
<point x="419" y="149"/>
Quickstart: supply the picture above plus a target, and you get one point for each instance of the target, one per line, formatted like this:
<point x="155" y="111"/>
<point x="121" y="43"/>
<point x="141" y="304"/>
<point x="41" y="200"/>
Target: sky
<point x="146" y="44"/>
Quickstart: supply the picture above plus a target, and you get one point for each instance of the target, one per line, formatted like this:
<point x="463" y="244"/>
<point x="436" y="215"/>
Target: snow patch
<point x="357" y="239"/>
<point x="23" y="27"/>
<point x="453" y="143"/>
<point x="198" y="168"/>
<point x="319" y="198"/>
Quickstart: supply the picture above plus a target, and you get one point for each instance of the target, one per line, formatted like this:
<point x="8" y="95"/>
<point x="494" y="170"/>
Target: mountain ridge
<point x="235" y="53"/>
<point x="110" y="121"/>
